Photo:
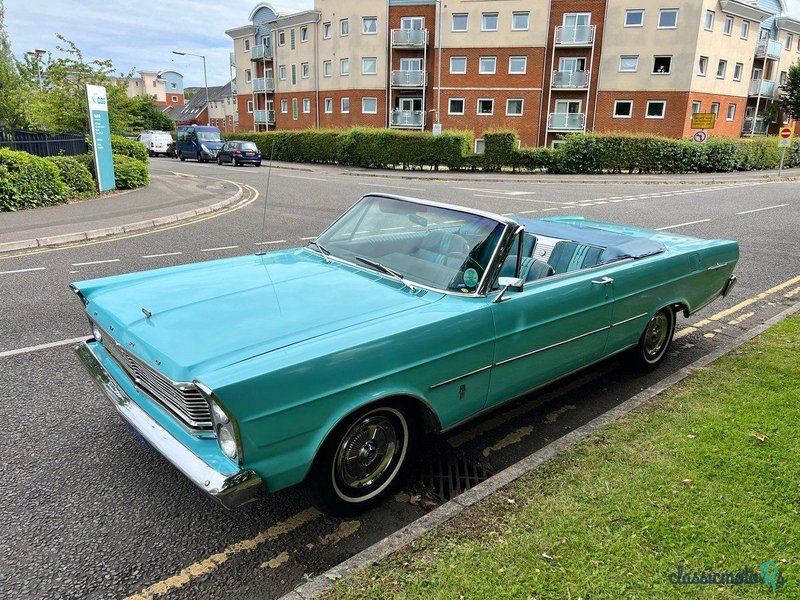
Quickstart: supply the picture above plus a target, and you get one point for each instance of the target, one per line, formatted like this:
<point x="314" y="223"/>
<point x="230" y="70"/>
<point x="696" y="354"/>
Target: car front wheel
<point x="362" y="460"/>
<point x="655" y="340"/>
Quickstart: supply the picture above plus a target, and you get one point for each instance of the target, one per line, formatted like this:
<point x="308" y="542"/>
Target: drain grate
<point x="449" y="475"/>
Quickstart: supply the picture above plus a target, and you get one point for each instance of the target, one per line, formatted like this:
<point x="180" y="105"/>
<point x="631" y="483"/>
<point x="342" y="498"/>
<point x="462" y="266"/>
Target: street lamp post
<point x="205" y="77"/>
<point x="438" y="126"/>
<point x="37" y="55"/>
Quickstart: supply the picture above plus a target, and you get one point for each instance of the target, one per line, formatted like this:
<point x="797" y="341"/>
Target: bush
<point x="75" y="175"/>
<point x="500" y="149"/>
<point x="27" y="181"/>
<point x="758" y="154"/>
<point x="130" y="173"/>
<point x="793" y="155"/>
<point x="125" y="147"/>
<point x="87" y="160"/>
<point x="533" y="159"/>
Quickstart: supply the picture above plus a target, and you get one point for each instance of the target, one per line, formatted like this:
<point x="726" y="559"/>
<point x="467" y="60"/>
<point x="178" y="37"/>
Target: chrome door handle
<point x="603" y="281"/>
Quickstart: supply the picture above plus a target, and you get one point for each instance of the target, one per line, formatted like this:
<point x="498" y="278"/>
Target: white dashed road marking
<point x="216" y="249"/>
<point x="396" y="187"/>
<point x="270" y="242"/>
<point x="300" y="177"/>
<point x="313" y="237"/>
<point x="95" y="262"/>
<point x="42" y="346"/>
<point x="747" y="212"/>
<point x="22" y="271"/>
<point x="160" y="255"/>
<point x="682" y="224"/>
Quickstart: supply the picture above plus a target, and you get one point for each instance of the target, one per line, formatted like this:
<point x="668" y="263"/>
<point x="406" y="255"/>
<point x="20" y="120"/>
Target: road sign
<point x="704" y="120"/>
<point x="97" y="101"/>
<point x="700" y="136"/>
<point x="786" y="137"/>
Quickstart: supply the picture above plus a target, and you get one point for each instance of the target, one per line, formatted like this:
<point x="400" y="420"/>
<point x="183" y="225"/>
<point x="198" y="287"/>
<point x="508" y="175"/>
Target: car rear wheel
<point x="655" y="340"/>
<point x="362" y="460"/>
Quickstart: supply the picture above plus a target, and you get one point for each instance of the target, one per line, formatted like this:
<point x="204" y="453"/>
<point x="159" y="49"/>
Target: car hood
<point x="208" y="315"/>
<point x="212" y="145"/>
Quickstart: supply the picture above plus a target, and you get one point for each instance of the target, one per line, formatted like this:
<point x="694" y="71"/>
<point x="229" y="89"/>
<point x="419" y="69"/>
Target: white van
<point x="156" y="142"/>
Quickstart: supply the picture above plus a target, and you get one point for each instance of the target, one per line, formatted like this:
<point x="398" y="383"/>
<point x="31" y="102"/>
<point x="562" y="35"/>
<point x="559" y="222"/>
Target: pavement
<point x="89" y="512"/>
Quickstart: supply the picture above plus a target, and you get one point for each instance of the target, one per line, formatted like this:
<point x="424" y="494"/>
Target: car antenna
<point x="262" y="252"/>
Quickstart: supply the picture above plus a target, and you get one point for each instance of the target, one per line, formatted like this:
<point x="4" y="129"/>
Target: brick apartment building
<point x="544" y="68"/>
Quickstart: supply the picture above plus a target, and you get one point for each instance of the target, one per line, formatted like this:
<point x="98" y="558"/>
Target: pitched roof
<point x="195" y="106"/>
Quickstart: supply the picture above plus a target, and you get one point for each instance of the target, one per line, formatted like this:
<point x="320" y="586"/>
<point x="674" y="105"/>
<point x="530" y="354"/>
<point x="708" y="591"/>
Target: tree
<point x="147" y="115"/>
<point x="12" y="85"/>
<point x="790" y="98"/>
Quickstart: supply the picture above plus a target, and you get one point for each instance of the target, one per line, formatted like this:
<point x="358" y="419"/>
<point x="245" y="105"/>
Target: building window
<point x="514" y="107"/>
<point x="247" y="44"/>
<point x="327" y="68"/>
<point x="485" y="106"/>
<point x="517" y="65"/>
<point x="281" y="38"/>
<point x="668" y="18"/>
<point x="702" y="66"/>
<point x="415" y="23"/>
<point x="369" y="25"/>
<point x="248" y="75"/>
<point x="344" y="27"/>
<point x="696" y="107"/>
<point x="291" y="39"/>
<point x="369" y="106"/>
<point x="369" y="66"/>
<point x="329" y="105"/>
<point x="326" y="31"/>
<point x="458" y="65"/>
<point x="520" y="21"/>
<point x="781" y="79"/>
<point x="174" y="98"/>
<point x="789" y="41"/>
<point x="489" y="21"/>
<point x="304" y="34"/>
<point x="662" y="65"/>
<point x="344" y="66"/>
<point x="727" y="27"/>
<point x="295" y="112"/>
<point x="487" y="65"/>
<point x="294" y="74"/>
<point x="708" y="24"/>
<point x="282" y="72"/>
<point x="745" y="31"/>
<point x="455" y="106"/>
<point x="656" y="109"/>
<point x="623" y="109"/>
<point x="306" y="105"/>
<point x="344" y="105"/>
<point x="460" y="22"/>
<point x="722" y="68"/>
<point x="737" y="71"/>
<point x="731" y="112"/>
<point x="480" y="147"/>
<point x="628" y="64"/>
<point x="305" y="70"/>
<point x="715" y="108"/>
<point x="634" y="18"/>
<point x="249" y="106"/>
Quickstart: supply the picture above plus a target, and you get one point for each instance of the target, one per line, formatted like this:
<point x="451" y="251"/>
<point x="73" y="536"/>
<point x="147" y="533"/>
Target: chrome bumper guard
<point x="229" y="489"/>
<point x="729" y="285"/>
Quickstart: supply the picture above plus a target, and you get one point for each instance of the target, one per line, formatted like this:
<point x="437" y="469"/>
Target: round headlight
<point x="219" y="414"/>
<point x="226" y="442"/>
<point x="97" y="332"/>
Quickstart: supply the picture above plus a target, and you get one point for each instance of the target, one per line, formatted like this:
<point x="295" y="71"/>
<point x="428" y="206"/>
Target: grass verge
<point x="705" y="477"/>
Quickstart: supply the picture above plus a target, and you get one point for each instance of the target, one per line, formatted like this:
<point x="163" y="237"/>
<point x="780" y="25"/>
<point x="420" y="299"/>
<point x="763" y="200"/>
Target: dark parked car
<point x="239" y="153"/>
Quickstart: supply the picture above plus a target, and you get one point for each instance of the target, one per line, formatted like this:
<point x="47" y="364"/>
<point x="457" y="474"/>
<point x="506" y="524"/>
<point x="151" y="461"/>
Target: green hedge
<point x="75" y="175"/>
<point x="125" y="147"/>
<point x="130" y="173"/>
<point x="793" y="155"/>
<point x="27" y="181"/>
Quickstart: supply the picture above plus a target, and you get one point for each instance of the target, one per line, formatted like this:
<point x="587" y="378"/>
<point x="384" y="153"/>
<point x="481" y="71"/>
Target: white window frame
<point x="789" y="42"/>
<point x="490" y="14"/>
<point x="744" y="30"/>
<point x="654" y="72"/>
<point x="520" y="13"/>
<point x="282" y="72"/>
<point x="629" y="56"/>
<point x="524" y="60"/>
<point x="728" y="115"/>
<point x="702" y="66"/>
<point x="246" y="44"/>
<point x="174" y="98"/>
<point x="281" y="38"/>
<point x="342" y="63"/>
<point x="738" y="68"/>
<point x="305" y="70"/>
<point x="328" y="105"/>
<point x="327" y="30"/>
<point x="344" y="27"/>
<point x="364" y="21"/>
<point x="452" y="72"/>
<point x="727" y="26"/>
<point x="248" y="76"/>
<point x="709" y="16"/>
<point x="284" y="105"/>
<point x="344" y="100"/>
<point x="306" y="106"/>
<point x="714" y="105"/>
<point x="521" y="107"/>
<point x="479" y="143"/>
<point x="647" y="109"/>
<point x="369" y="112"/>
<point x="630" y="112"/>
<point x="697" y="106"/>
<point x="304" y="34"/>
<point x="364" y="65"/>
<point x="494" y="65"/>
<point x="453" y="22"/>
<point x="327" y="68"/>
<point x="723" y="65"/>
<point x="478" y="107"/>
<point x="250" y="106"/>
<point x="664" y="11"/>
<point x="634" y="11"/>
<point x="463" y="106"/>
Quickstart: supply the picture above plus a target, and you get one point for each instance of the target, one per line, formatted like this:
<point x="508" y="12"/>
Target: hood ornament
<point x="147" y="313"/>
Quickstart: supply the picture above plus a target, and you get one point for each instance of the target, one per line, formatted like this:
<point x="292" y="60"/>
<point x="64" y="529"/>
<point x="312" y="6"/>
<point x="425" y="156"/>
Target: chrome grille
<point x="182" y="399"/>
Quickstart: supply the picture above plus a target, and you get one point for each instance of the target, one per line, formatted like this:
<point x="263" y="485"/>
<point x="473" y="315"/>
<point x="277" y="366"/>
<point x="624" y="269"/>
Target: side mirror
<point x="508" y="283"/>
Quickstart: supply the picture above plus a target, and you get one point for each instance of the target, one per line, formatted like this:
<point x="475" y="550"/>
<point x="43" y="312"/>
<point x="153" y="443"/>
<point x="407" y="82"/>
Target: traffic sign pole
<point x="783" y="157"/>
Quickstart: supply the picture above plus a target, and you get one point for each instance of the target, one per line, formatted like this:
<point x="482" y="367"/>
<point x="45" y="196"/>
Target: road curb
<point x="413" y="531"/>
<point x="80" y="236"/>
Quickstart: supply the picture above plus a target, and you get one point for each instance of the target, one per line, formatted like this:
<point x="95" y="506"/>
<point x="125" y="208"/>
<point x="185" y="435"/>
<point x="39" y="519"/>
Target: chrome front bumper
<point x="229" y="489"/>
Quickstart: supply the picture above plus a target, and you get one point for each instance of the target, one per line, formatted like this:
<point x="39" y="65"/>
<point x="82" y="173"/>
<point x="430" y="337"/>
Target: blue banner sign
<point x="101" y="137"/>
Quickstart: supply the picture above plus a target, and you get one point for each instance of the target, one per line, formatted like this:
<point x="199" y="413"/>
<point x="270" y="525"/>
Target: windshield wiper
<point x="325" y="252"/>
<point x="385" y="270"/>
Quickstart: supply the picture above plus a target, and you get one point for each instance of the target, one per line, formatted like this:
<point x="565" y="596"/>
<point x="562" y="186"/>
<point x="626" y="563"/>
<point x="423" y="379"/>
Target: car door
<point x="554" y="326"/>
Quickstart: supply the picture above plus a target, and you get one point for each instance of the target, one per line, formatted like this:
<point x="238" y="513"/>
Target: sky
<point x="141" y="35"/>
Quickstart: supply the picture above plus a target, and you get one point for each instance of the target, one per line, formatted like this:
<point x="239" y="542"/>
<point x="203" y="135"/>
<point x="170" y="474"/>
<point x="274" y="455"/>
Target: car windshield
<point x="247" y="146"/>
<point x="209" y="136"/>
<point x="436" y="247"/>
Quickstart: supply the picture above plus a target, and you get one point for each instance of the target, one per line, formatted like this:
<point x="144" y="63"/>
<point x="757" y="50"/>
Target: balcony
<point x="264" y="117"/>
<point x="264" y="84"/>
<point x="232" y="59"/>
<point x="578" y="80"/>
<point x="575" y="35"/>
<point x="261" y="52"/>
<point x="761" y="128"/>
<point x="769" y="49"/>
<point x="760" y="87"/>
<point x="408" y="119"/>
<point x="409" y="79"/>
<point x="566" y="121"/>
<point x="233" y="87"/>
<point x="409" y="38"/>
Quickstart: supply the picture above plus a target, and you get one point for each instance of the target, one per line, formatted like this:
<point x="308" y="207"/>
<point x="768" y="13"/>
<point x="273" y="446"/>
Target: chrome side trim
<point x="475" y="372"/>
<point x="229" y="489"/>
<point x="532" y="352"/>
<point x="629" y="320"/>
<point x="717" y="266"/>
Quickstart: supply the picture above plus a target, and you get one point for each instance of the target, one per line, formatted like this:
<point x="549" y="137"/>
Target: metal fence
<point x="43" y="144"/>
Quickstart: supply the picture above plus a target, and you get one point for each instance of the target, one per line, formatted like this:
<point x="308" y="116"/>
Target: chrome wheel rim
<point x="655" y="336"/>
<point x="366" y="451"/>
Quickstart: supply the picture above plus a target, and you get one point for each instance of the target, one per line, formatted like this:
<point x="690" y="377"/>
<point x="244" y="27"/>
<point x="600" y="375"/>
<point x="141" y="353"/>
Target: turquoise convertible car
<point x="405" y="316"/>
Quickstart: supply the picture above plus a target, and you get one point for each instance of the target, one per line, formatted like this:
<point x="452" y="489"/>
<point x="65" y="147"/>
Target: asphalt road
<point x="89" y="512"/>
